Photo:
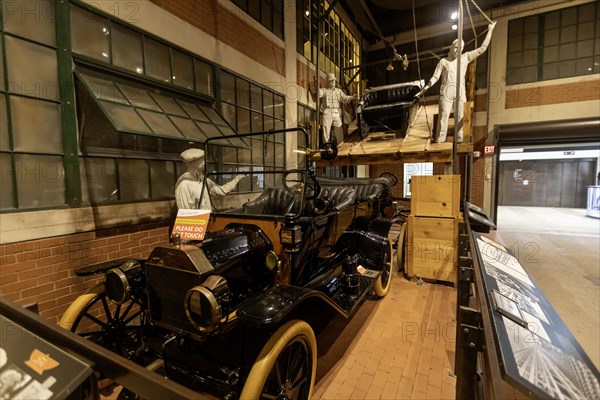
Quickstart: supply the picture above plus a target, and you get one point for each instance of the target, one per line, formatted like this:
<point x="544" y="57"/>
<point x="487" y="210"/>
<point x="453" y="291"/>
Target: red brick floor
<point x="398" y="347"/>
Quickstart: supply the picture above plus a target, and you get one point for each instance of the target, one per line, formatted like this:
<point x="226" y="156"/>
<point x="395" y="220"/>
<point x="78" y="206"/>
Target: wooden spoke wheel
<point x="382" y="284"/>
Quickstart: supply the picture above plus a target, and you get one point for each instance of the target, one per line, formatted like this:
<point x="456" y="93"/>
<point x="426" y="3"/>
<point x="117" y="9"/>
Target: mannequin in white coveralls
<point x="446" y="70"/>
<point x="331" y="106"/>
<point x="189" y="186"/>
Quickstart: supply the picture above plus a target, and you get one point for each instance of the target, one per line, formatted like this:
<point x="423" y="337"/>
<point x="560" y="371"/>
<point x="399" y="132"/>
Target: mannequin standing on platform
<point x="447" y="71"/>
<point x="333" y="98"/>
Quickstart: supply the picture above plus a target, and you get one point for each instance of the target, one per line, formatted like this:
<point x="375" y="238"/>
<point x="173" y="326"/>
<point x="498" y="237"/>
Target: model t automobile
<point x="231" y="314"/>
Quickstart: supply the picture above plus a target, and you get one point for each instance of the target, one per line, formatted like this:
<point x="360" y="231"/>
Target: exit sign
<point x="489" y="149"/>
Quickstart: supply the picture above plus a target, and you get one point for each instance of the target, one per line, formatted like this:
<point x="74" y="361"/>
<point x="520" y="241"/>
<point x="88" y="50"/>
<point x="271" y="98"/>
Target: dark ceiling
<point x="385" y="18"/>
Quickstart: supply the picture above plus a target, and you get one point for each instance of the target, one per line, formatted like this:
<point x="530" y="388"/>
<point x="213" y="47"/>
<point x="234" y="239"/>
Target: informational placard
<point x="191" y="224"/>
<point x="537" y="350"/>
<point x="32" y="368"/>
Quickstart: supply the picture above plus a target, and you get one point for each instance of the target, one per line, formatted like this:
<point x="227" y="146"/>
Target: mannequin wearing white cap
<point x="446" y="69"/>
<point x="189" y="186"/>
<point x="331" y="106"/>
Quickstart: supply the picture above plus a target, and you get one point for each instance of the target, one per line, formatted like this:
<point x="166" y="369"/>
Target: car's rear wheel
<point x="115" y="327"/>
<point x="286" y="366"/>
<point x="400" y="247"/>
<point x="381" y="287"/>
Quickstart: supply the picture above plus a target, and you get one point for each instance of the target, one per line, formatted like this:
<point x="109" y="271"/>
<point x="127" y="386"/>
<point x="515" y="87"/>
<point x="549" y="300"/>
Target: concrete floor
<point x="560" y="249"/>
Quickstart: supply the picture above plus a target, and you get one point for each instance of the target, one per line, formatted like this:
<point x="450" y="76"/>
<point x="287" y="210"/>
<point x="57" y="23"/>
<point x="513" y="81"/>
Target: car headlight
<point x="118" y="282"/>
<point x="202" y="305"/>
<point x="290" y="235"/>
<point x="272" y="261"/>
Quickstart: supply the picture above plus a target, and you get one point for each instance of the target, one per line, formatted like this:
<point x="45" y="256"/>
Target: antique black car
<point x="231" y="314"/>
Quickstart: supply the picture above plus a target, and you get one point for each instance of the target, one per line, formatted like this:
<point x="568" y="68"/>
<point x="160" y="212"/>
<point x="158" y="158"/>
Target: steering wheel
<point x="393" y="179"/>
<point x="294" y="183"/>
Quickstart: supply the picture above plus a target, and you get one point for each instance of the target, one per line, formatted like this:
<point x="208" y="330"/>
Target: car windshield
<point x="262" y="174"/>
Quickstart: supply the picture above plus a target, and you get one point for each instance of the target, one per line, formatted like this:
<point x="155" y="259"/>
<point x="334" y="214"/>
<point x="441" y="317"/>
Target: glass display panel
<point x="4" y="139"/>
<point x="127" y="48"/>
<point x="37" y="79"/>
<point x="32" y="19"/>
<point x="36" y="125"/>
<point x="162" y="177"/>
<point x="160" y="124"/>
<point x="183" y="70"/>
<point x="204" y="77"/>
<point x="41" y="181"/>
<point x="139" y="97"/>
<point x="125" y="117"/>
<point x="169" y="105"/>
<point x="133" y="179"/>
<point x="245" y="156"/>
<point x="6" y="181"/>
<point x="89" y="34"/>
<point x="158" y="60"/>
<point x="279" y="154"/>
<point x="189" y="128"/>
<point x="101" y="179"/>
<point x="103" y="89"/>
<point x="229" y="155"/>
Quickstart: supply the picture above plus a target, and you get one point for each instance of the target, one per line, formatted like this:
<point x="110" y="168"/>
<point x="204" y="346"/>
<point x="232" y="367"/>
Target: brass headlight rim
<point x="125" y="284"/>
<point x="214" y="305"/>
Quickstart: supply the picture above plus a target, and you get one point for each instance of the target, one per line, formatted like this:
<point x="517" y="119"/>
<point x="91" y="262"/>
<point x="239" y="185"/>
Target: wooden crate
<point x="435" y="196"/>
<point x="431" y="248"/>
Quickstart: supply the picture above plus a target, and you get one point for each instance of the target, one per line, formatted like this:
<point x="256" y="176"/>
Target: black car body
<point x="223" y="313"/>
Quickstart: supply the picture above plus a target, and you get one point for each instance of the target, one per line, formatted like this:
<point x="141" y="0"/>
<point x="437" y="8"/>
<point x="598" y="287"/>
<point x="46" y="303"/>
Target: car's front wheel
<point x="286" y="366"/>
<point x="115" y="327"/>
<point x="381" y="287"/>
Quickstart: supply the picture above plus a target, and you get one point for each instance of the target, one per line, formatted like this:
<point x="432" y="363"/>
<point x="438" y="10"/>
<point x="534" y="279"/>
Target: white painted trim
<point x="21" y="226"/>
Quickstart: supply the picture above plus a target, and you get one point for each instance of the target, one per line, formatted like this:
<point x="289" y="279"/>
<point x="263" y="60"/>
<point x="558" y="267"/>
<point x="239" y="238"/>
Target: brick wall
<point x="533" y="94"/>
<point x="43" y="271"/>
<point x="235" y="29"/>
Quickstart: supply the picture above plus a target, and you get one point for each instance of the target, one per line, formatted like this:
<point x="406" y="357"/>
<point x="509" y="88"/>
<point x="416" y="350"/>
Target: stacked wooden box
<point x="431" y="247"/>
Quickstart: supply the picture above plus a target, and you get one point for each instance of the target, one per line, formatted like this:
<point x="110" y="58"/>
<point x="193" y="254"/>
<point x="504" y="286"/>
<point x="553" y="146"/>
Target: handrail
<point x="143" y="382"/>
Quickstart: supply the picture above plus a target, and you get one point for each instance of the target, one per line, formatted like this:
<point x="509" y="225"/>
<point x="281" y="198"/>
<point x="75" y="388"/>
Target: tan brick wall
<point x="528" y="95"/>
<point x="237" y="31"/>
<point x="43" y="271"/>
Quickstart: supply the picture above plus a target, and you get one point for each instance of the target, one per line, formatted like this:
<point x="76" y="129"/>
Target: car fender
<point x="367" y="238"/>
<point x="270" y="307"/>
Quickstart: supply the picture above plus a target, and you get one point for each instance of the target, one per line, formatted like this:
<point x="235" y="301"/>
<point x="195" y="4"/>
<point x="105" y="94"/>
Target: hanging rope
<point x="418" y="63"/>
<point x="471" y="21"/>
<point x="482" y="13"/>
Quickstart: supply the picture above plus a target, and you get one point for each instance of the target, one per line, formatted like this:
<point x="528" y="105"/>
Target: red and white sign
<point x="191" y="224"/>
<point x="489" y="150"/>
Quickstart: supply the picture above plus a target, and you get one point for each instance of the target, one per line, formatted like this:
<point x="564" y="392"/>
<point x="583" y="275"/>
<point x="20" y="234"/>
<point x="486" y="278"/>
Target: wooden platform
<point x="382" y="148"/>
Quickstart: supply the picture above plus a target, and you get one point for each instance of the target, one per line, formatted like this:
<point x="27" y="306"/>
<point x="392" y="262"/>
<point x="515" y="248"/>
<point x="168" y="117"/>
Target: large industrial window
<point x="268" y="12"/>
<point x="102" y="39"/>
<point x="32" y="169"/>
<point x="251" y="108"/>
<point x="340" y="50"/>
<point x="558" y="44"/>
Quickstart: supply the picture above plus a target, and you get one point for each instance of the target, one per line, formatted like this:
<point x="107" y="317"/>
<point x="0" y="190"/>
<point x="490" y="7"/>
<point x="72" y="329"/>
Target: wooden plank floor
<point x="399" y="347"/>
<point x="379" y="147"/>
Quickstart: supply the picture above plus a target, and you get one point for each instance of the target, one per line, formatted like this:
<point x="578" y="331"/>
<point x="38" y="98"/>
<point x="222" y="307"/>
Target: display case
<point x="593" y="202"/>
